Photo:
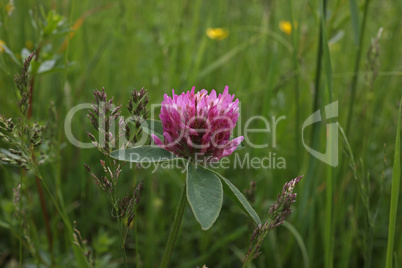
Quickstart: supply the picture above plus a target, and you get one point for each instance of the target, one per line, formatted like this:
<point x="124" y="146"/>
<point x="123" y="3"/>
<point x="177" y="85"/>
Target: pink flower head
<point x="199" y="125"/>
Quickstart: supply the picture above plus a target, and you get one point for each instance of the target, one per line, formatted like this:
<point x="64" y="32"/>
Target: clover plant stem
<point x="175" y="228"/>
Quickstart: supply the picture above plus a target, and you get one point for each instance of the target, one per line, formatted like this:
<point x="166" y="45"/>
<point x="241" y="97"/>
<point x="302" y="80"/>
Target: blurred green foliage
<point x="160" y="45"/>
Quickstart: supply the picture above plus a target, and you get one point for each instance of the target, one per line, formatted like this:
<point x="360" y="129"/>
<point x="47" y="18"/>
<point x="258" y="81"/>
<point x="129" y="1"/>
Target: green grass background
<point x="162" y="45"/>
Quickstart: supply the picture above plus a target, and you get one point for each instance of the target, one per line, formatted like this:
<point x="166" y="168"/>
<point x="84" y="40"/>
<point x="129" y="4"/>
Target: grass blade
<point x="354" y="14"/>
<point x="357" y="67"/>
<point x="328" y="231"/>
<point x="300" y="242"/>
<point x="396" y="178"/>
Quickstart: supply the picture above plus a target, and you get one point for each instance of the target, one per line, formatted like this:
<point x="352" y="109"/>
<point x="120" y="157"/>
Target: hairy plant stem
<point x="23" y="174"/>
<point x="38" y="181"/>
<point x="175" y="228"/>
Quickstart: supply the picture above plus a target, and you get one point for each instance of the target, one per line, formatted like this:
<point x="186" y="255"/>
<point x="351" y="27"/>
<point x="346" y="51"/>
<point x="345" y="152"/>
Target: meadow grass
<point x="333" y="53"/>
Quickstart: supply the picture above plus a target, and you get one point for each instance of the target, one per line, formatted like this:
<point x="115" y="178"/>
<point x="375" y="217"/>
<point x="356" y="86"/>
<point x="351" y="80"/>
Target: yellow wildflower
<point x="285" y="26"/>
<point x="217" y="33"/>
<point x="2" y="43"/>
<point x="10" y="7"/>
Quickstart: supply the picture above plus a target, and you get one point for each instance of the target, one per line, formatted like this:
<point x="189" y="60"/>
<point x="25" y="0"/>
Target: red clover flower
<point x="198" y="125"/>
